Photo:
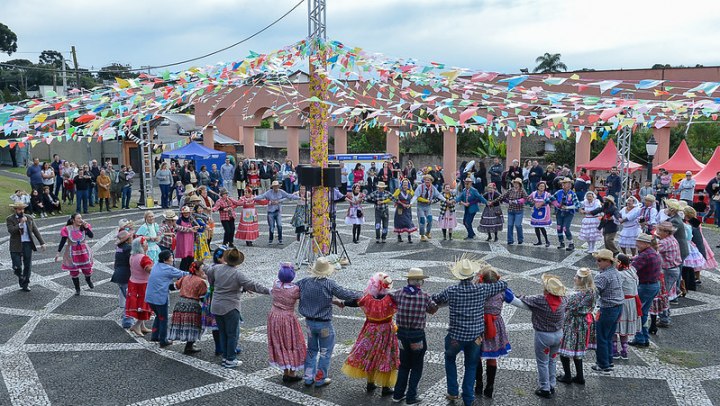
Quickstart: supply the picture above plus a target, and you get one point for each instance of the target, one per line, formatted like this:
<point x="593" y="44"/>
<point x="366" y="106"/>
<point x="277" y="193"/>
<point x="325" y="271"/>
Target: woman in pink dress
<point x="286" y="342"/>
<point x="185" y="229"/>
<point x="77" y="256"/>
<point x="248" y="229"/>
<point x="135" y="305"/>
<point x="375" y="355"/>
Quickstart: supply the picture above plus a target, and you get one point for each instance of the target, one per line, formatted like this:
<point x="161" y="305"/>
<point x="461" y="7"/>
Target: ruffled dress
<point x="629" y="322"/>
<point x="77" y="256"/>
<point x="694" y="258"/>
<point x="589" y="227"/>
<point x="248" y="228"/>
<point x="491" y="219"/>
<point x="448" y="218"/>
<point x="375" y="355"/>
<point x="355" y="213"/>
<point x="661" y="302"/>
<point x="496" y="343"/>
<point x="403" y="216"/>
<point x="286" y="341"/>
<point x="630" y="227"/>
<point x="186" y="322"/>
<point x="577" y="325"/>
<point x="540" y="216"/>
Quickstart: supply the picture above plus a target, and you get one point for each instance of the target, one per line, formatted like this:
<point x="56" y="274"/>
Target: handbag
<point x="359" y="213"/>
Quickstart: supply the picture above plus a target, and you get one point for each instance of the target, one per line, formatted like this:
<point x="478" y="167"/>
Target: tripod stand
<point x="335" y="235"/>
<point x="307" y="249"/>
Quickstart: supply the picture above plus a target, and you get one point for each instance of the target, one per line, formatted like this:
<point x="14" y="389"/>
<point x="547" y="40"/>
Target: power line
<point x="144" y="68"/>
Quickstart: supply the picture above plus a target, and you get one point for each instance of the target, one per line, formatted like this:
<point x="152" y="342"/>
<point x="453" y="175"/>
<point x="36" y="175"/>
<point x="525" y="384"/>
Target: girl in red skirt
<point x="135" y="306"/>
<point x="286" y="342"/>
<point x="248" y="229"/>
<point x="186" y="324"/>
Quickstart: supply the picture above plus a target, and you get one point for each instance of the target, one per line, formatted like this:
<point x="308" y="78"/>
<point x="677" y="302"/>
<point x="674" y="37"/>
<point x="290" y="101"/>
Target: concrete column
<point x="392" y="143"/>
<point x="293" y="144"/>
<point x="662" y="137"/>
<point x="340" y="140"/>
<point x="240" y="134"/>
<point x="582" y="150"/>
<point x="513" y="149"/>
<point x="449" y="156"/>
<point x="248" y="134"/>
<point x="209" y="137"/>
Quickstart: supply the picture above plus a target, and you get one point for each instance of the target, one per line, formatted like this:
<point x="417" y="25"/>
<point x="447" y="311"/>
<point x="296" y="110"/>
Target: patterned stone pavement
<point x="59" y="349"/>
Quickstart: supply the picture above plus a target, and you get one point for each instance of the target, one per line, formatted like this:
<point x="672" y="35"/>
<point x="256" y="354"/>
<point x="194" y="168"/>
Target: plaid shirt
<point x="381" y="198"/>
<point x="514" y="198"/>
<point x="412" y="306"/>
<point x="467" y="307"/>
<point x="609" y="287"/>
<point x="226" y="207"/>
<point x="316" y="297"/>
<point x="669" y="250"/>
<point x="649" y="264"/>
<point x="448" y="205"/>
<point x="167" y="235"/>
<point x="543" y="318"/>
<point x="568" y="199"/>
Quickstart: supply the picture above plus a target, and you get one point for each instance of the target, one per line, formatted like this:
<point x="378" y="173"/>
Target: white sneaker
<point x="231" y="363"/>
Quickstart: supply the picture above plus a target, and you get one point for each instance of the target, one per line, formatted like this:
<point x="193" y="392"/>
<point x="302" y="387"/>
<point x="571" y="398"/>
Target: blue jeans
<point x="126" y="192"/>
<point x="81" y="198"/>
<point x="274" y="219"/>
<point x="564" y="220"/>
<point x="412" y="351"/>
<point x="320" y="340"/>
<point x="58" y="184"/>
<point x="606" y="327"/>
<point x="394" y="184"/>
<point x="228" y="327"/>
<point x="472" y="355"/>
<point x="165" y="196"/>
<point x="468" y="223"/>
<point x="287" y="185"/>
<point x="717" y="213"/>
<point x="126" y="321"/>
<point x="92" y="195"/>
<point x="647" y="292"/>
<point x="545" y="361"/>
<point x="424" y="213"/>
<point x="515" y="221"/>
<point x="160" y="325"/>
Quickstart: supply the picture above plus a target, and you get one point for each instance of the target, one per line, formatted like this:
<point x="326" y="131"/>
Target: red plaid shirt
<point x="411" y="308"/>
<point x="226" y="206"/>
<point x="669" y="250"/>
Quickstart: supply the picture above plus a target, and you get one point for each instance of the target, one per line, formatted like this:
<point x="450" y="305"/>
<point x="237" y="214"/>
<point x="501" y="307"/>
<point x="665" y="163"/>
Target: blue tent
<point x="200" y="154"/>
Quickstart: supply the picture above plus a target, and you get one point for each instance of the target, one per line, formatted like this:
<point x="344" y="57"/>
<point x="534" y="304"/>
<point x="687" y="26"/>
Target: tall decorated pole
<point x="318" y="121"/>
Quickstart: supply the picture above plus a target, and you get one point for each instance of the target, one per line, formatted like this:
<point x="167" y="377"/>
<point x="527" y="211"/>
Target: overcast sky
<point x="493" y="35"/>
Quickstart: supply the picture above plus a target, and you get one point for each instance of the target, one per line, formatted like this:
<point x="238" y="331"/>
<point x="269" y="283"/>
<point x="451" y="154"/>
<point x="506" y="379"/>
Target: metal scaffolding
<point x="624" y="141"/>
<point x="317" y="12"/>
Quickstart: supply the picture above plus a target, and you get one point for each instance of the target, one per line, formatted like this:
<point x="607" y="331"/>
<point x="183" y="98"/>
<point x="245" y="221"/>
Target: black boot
<point x="579" y="378"/>
<point x="491" y="371"/>
<point x="444" y="234"/>
<point x="562" y="245"/>
<point x="479" y="378"/>
<point x="450" y="235"/>
<point x="570" y="247"/>
<point x="567" y="375"/>
<point x="400" y="238"/>
<point x="653" y="325"/>
<point x="409" y="239"/>
<point x="89" y="282"/>
<point x="76" y="282"/>
<point x="496" y="236"/>
<point x="489" y="237"/>
<point x="189" y="349"/>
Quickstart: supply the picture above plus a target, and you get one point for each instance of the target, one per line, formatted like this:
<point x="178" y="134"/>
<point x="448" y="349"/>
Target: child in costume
<point x="495" y="344"/>
<point x="540" y="217"/>
<point x="248" y="229"/>
<point x="577" y="326"/>
<point x="286" y="341"/>
<point x="448" y="219"/>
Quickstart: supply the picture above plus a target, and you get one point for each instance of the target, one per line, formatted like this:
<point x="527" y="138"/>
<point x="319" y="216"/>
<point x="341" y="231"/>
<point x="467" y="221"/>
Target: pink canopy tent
<point x="681" y="161"/>
<point x="606" y="159"/>
<point x="703" y="177"/>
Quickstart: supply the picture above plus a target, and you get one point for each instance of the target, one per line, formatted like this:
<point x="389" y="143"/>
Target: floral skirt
<point x="135" y="305"/>
<point x="375" y="355"/>
<point x="202" y="249"/>
<point x="498" y="346"/>
<point x="186" y="322"/>
<point x="576" y="336"/>
<point x="286" y="341"/>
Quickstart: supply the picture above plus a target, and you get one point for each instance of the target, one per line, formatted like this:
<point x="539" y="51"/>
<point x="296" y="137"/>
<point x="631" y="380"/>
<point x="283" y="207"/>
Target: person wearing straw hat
<point x="381" y="198"/>
<point x="469" y="197"/>
<point x="121" y="269"/>
<point x="548" y="313"/>
<point x="611" y="298"/>
<point x="425" y="195"/>
<point x="316" y="300"/>
<point x="187" y="193"/>
<point x="413" y="304"/>
<point x="608" y="222"/>
<point x="23" y="233"/>
<point x="566" y="204"/>
<point x="648" y="215"/>
<point x="167" y="231"/>
<point x="467" y="323"/>
<point x="275" y="196"/>
<point x="650" y="265"/>
<point x="515" y="197"/>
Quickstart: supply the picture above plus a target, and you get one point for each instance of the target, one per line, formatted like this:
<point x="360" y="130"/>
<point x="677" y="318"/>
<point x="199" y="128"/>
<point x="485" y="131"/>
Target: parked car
<point x="165" y="122"/>
<point x="182" y="131"/>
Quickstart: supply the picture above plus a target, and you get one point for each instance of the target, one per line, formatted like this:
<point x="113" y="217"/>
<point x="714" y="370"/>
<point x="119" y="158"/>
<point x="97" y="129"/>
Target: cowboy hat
<point x="415" y="273"/>
<point x="672" y="204"/>
<point x="123" y="236"/>
<point x="18" y="205"/>
<point x="566" y="180"/>
<point x="381" y="184"/>
<point x="186" y="209"/>
<point x="193" y="199"/>
<point x="322" y="268"/>
<point x="465" y="268"/>
<point x="583" y="273"/>
<point x="189" y="188"/>
<point x="608" y="197"/>
<point x="605" y="254"/>
<point x="650" y="198"/>
<point x="667" y="226"/>
<point x="553" y="285"/>
<point x="122" y="223"/>
<point x="426" y="177"/>
<point x="646" y="238"/>
<point x="517" y="180"/>
<point x="275" y="183"/>
<point x="233" y="257"/>
<point x="170" y="215"/>
<point x="468" y="179"/>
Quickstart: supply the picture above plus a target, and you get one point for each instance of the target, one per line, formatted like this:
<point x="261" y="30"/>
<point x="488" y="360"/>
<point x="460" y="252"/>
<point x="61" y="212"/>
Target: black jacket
<point x="610" y="214"/>
<point x="240" y="173"/>
<point x="266" y="172"/>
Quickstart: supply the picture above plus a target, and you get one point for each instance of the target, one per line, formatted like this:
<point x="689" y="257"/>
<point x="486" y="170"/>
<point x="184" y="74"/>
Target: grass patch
<point x="21" y="171"/>
<point x="687" y="359"/>
<point x="8" y="186"/>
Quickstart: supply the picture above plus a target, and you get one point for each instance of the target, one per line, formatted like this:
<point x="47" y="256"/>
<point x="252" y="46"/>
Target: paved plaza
<point x="61" y="349"/>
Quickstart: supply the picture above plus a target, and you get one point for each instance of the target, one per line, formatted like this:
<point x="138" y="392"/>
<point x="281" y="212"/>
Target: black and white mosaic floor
<point x="59" y="349"/>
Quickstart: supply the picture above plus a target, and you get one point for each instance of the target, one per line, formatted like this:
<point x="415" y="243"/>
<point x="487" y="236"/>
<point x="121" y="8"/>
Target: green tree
<point x="8" y="40"/>
<point x="116" y="70"/>
<point x="549" y="63"/>
<point x="564" y="153"/>
<point x="372" y="139"/>
<point x="52" y="58"/>
<point x="702" y="138"/>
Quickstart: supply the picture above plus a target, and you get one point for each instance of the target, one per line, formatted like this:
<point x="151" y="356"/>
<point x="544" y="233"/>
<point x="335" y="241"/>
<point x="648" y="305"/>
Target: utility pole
<point x="64" y="78"/>
<point x="77" y="70"/>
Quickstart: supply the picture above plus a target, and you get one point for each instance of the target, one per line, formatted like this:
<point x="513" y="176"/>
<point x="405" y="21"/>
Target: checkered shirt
<point x="609" y="287"/>
<point x="515" y="199"/>
<point x="167" y="234"/>
<point x="411" y="308"/>
<point x="316" y="297"/>
<point x="542" y="317"/>
<point x="380" y="198"/>
<point x="649" y="263"/>
<point x="467" y="307"/>
<point x="226" y="207"/>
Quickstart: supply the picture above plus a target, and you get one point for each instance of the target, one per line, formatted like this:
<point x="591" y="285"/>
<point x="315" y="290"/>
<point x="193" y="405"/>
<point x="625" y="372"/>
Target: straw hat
<point x="223" y="191"/>
<point x="123" y="236"/>
<point x="583" y="273"/>
<point x="646" y="238"/>
<point x="553" y="285"/>
<point x="275" y="183"/>
<point x="672" y="204"/>
<point x="566" y="180"/>
<point x="189" y="188"/>
<point x="468" y="179"/>
<point x="234" y="257"/>
<point x="322" y="268"/>
<point x="18" y="205"/>
<point x="605" y="254"/>
<point x="186" y="209"/>
<point x="612" y="199"/>
<point x="170" y="215"/>
<point x="465" y="268"/>
<point x="193" y="199"/>
<point x="381" y="184"/>
<point x="650" y="198"/>
<point x="683" y="204"/>
<point x="415" y="273"/>
<point x="426" y="177"/>
<point x="517" y="180"/>
<point x="122" y="223"/>
<point x="667" y="226"/>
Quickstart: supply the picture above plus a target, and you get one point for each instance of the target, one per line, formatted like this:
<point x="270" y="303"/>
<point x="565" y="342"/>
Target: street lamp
<point x="651" y="148"/>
